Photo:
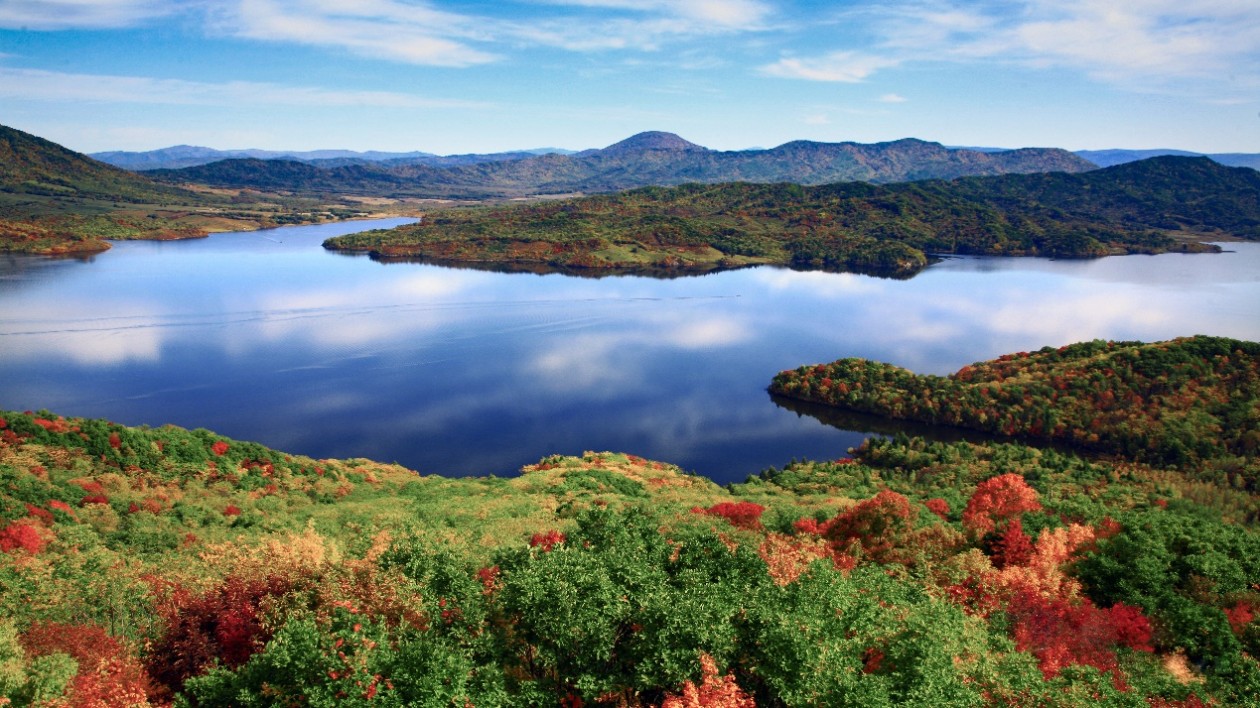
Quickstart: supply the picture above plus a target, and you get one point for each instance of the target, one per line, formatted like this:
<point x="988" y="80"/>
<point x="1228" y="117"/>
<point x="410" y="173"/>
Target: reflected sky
<point x="265" y="336"/>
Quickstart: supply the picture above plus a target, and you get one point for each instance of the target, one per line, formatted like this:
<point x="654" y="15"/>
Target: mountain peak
<point x="654" y="140"/>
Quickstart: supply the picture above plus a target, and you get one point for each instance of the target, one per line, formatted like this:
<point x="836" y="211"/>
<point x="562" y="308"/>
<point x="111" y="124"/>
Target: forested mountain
<point x="165" y="566"/>
<point x="33" y="165"/>
<point x="1147" y="206"/>
<point x="652" y="158"/>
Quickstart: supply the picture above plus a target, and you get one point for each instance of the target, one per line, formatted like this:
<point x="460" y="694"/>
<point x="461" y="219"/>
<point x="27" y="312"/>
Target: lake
<point x="265" y="336"/>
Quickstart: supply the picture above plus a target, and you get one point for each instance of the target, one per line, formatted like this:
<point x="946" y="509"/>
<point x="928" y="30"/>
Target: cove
<point x="266" y="336"/>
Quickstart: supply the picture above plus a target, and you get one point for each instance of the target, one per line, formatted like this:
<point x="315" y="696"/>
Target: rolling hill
<point x="652" y="158"/>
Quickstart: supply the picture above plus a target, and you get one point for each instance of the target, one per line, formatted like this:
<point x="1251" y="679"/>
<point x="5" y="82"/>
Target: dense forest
<point x="160" y="566"/>
<point x="1161" y="204"/>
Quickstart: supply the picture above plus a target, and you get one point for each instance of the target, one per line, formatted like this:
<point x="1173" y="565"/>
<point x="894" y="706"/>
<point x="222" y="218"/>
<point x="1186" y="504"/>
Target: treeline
<point x="163" y="566"/>
<point x="1144" y="207"/>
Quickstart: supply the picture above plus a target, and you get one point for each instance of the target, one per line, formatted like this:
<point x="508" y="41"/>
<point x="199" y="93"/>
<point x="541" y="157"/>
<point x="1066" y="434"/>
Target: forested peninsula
<point x="159" y="566"/>
<point x="1156" y="205"/>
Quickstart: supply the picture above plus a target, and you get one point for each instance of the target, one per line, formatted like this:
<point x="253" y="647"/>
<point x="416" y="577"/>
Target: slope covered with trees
<point x="157" y="566"/>
<point x="1152" y="206"/>
<point x="1190" y="400"/>
<point x="54" y="200"/>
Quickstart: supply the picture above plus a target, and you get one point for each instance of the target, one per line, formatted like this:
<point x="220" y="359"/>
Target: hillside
<point x="1145" y="207"/>
<point x="32" y="165"/>
<point x="652" y="158"/>
<point x="54" y="200"/>
<point x="151" y="566"/>
<point x="1178" y="402"/>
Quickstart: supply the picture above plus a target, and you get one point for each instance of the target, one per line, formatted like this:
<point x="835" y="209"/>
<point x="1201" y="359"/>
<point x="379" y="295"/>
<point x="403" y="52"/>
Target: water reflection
<point x="268" y="337"/>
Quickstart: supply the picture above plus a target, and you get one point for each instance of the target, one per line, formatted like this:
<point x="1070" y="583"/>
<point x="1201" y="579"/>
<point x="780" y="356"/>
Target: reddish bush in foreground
<point x="221" y="624"/>
<point x="743" y="515"/>
<point x="219" y="448"/>
<point x="109" y="675"/>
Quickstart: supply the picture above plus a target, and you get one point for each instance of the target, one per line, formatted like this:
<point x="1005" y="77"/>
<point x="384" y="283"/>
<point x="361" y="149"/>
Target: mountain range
<point x="191" y="156"/>
<point x="651" y="158"/>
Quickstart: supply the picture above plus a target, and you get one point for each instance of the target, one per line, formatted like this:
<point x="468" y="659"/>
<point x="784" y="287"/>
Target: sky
<point x="448" y="76"/>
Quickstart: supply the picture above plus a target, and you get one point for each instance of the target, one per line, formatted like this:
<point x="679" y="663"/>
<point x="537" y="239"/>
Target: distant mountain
<point x="32" y="165"/>
<point x="652" y="158"/>
<point x="181" y="156"/>
<point x="1108" y="158"/>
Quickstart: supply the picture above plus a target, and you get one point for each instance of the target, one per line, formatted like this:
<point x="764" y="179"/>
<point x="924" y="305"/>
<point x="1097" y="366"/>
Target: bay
<point x="265" y="336"/>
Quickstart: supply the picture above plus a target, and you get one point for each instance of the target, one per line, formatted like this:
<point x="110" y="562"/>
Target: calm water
<point x="265" y="336"/>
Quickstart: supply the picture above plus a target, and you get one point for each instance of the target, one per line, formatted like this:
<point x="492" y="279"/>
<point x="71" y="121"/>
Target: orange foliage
<point x="109" y="675"/>
<point x="996" y="501"/>
<point x="713" y="692"/>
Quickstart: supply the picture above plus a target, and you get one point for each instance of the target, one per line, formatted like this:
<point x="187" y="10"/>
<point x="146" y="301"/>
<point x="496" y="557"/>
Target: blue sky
<point x="471" y="76"/>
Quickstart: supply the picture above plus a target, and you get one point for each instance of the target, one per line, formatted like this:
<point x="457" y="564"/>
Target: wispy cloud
<point x="83" y="14"/>
<point x="1140" y="44"/>
<point x="843" y="66"/>
<point x="892" y="98"/>
<point x="40" y="85"/>
<point x="415" y="33"/>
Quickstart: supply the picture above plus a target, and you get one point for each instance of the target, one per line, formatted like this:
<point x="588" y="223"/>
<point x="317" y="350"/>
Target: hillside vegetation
<point x="1152" y="206"/>
<point x="54" y="200"/>
<point x="156" y="566"/>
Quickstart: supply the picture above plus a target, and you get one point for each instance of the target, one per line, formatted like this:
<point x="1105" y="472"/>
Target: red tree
<point x="996" y="501"/>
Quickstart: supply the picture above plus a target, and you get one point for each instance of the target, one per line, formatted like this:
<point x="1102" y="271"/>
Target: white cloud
<point x="1146" y="44"/>
<point x="892" y="98"/>
<point x="844" y="66"/>
<point x="82" y="14"/>
<point x="40" y="85"/>
<point x="412" y="33"/>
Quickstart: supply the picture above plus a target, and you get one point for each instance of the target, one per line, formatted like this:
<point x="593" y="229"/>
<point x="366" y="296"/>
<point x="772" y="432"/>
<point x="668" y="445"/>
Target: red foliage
<point x="1240" y="616"/>
<point x="52" y="426"/>
<point x="115" y="441"/>
<point x="219" y="448"/>
<point x="94" y="499"/>
<point x="872" y="659"/>
<point x="41" y="514"/>
<point x="546" y="541"/>
<point x="89" y="486"/>
<point x="20" y="536"/>
<point x="109" y="675"/>
<point x="743" y="515"/>
<point x="938" y="506"/>
<point x="61" y="506"/>
<point x="996" y="501"/>
<point x="878" y="525"/>
<point x="1061" y="633"/>
<point x="1013" y="547"/>
<point x="713" y="692"/>
<point x="489" y="578"/>
<point x="232" y="510"/>
<point x="1191" y="701"/>
<point x="221" y="624"/>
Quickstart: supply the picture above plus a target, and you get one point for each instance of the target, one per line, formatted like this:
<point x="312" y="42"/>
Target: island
<point x="1157" y="205"/>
